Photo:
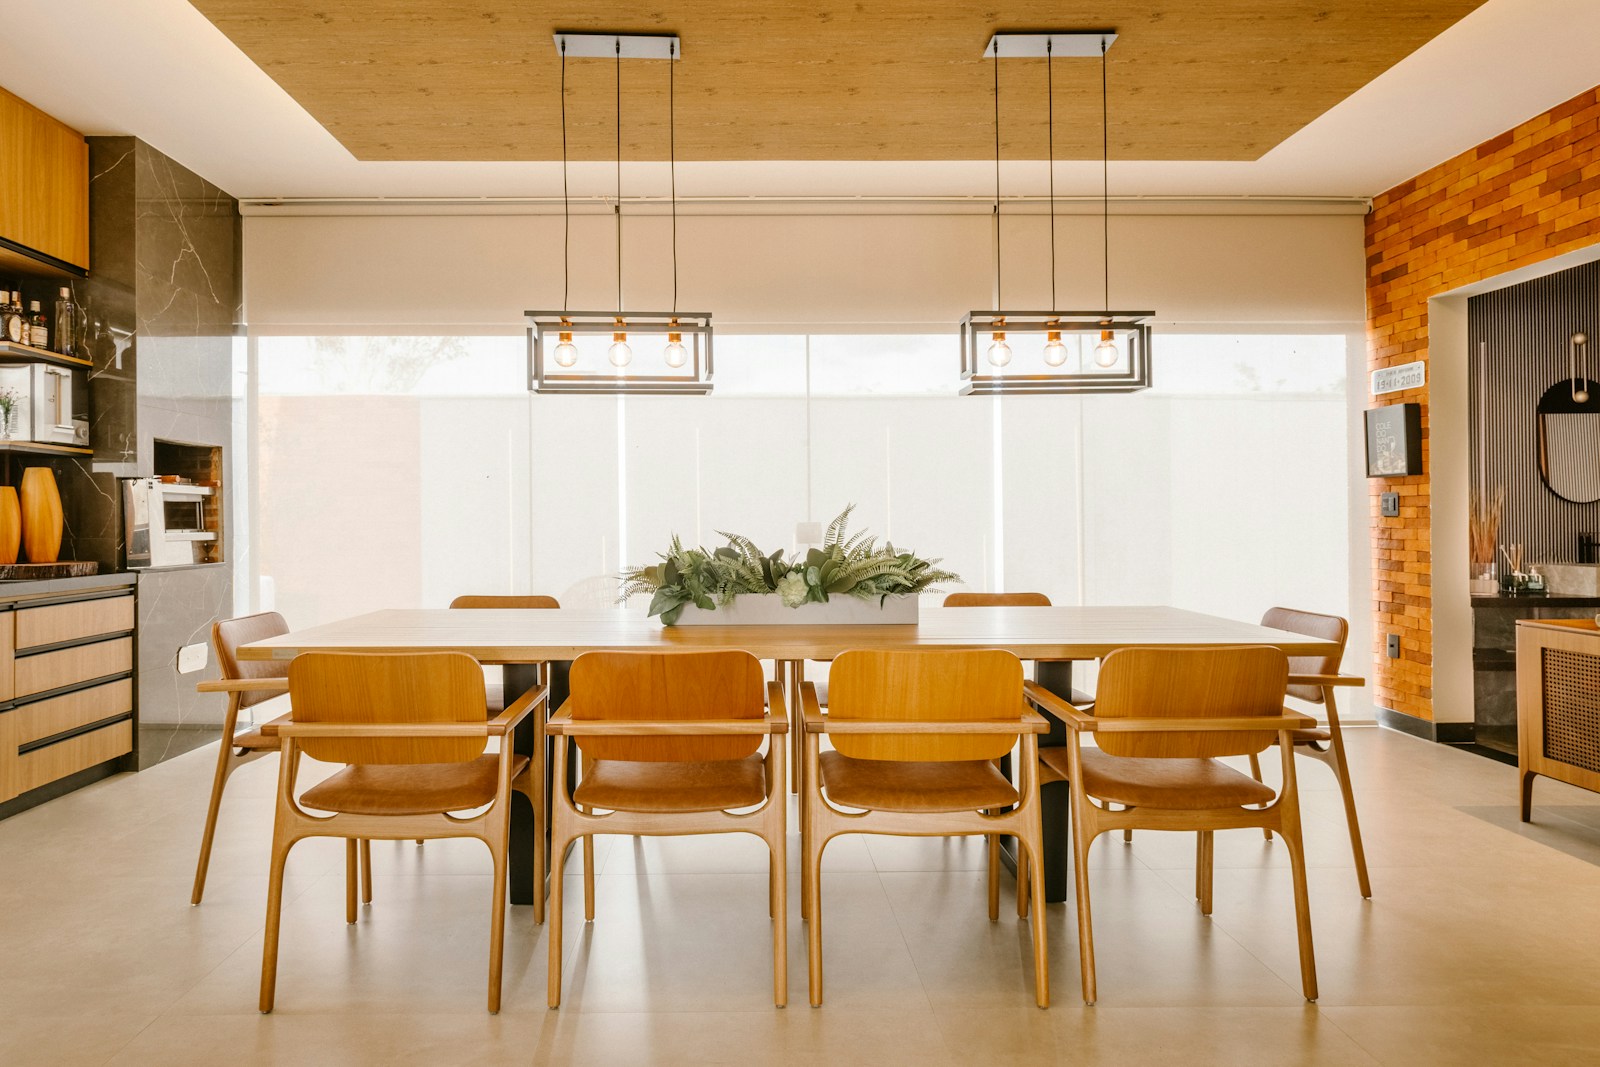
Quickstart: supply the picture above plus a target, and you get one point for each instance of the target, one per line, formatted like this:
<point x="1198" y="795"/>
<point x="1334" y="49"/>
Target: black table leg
<point x="519" y="678"/>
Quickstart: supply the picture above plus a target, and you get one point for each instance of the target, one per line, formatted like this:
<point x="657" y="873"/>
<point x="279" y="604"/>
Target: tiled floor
<point x="1478" y="947"/>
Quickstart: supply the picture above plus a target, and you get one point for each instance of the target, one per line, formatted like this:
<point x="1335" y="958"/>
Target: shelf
<point x="11" y="352"/>
<point x="40" y="449"/>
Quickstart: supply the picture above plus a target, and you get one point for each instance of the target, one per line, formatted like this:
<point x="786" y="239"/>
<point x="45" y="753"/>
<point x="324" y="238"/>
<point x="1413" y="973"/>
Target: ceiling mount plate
<point x="634" y="45"/>
<point x="1073" y="44"/>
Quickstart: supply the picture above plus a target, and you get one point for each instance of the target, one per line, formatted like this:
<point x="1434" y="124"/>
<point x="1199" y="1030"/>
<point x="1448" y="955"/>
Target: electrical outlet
<point x="1389" y="505"/>
<point x="191" y="658"/>
<point x="1394" y="646"/>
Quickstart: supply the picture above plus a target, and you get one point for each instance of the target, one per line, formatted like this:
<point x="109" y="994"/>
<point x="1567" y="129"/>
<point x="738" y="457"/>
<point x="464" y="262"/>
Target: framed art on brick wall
<point x="1394" y="441"/>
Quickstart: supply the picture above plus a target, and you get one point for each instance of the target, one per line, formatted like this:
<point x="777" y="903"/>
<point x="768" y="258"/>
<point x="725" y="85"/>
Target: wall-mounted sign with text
<point x="1399" y="379"/>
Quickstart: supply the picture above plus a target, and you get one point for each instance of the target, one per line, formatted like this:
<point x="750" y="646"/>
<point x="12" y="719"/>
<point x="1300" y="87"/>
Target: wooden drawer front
<point x="51" y="670"/>
<point x="44" y="765"/>
<point x="48" y="717"/>
<point x="69" y="622"/>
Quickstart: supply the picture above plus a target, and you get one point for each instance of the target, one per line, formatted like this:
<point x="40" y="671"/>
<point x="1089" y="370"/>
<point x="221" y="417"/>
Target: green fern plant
<point x="843" y="566"/>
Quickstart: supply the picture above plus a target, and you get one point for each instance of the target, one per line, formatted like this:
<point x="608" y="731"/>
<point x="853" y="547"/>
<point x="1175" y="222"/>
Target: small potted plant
<point x="8" y="404"/>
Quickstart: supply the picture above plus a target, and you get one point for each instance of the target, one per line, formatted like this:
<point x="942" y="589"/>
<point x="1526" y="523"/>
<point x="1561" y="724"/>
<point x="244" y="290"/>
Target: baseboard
<point x="1445" y="733"/>
<point x="60" y="787"/>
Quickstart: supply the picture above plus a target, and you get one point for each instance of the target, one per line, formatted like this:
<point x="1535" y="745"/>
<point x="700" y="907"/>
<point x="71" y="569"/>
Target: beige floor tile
<point x="1452" y="1037"/>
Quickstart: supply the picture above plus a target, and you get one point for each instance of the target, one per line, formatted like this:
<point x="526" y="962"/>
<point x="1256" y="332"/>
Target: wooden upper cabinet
<point x="44" y="184"/>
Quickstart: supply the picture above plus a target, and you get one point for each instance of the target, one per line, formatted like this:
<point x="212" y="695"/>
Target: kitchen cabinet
<point x="44" y="192"/>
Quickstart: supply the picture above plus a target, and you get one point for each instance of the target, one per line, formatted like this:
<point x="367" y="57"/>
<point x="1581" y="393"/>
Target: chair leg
<point x="813" y="867"/>
<point x="366" y="871"/>
<point x="588" y="878"/>
<point x="218" y="783"/>
<point x="780" y="915"/>
<point x="497" y="916"/>
<point x="1203" y="865"/>
<point x="350" y="880"/>
<point x="994" y="875"/>
<point x="1255" y="772"/>
<point x="1080" y="874"/>
<point x="1023" y="876"/>
<point x="269" y="942"/>
<point x="1041" y="960"/>
<point x="553" y="923"/>
<point x="1302" y="911"/>
<point x="1341" y="772"/>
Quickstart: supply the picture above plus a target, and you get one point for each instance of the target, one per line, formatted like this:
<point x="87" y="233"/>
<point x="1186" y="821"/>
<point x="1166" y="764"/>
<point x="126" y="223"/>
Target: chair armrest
<point x="243" y="685"/>
<point x="1253" y="723"/>
<point x="562" y="723"/>
<point x="1029" y="722"/>
<point x="288" y="728"/>
<point x="1073" y="716"/>
<point x="270" y="727"/>
<point x="503" y="723"/>
<point x="775" y="699"/>
<point x="811" y="709"/>
<point x="1326" y="679"/>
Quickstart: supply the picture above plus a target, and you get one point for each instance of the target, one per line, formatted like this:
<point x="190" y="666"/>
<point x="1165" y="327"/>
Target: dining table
<point x="523" y="641"/>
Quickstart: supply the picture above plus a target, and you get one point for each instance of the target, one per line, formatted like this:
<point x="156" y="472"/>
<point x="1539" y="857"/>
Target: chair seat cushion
<point x="711" y="785"/>
<point x="410" y="788"/>
<point x="895" y="785"/>
<point x="252" y="740"/>
<point x="1182" y="784"/>
<point x="1315" y="733"/>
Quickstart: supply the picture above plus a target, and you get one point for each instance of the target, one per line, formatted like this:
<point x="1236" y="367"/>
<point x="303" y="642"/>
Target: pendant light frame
<point x="692" y="329"/>
<point x="1131" y="373"/>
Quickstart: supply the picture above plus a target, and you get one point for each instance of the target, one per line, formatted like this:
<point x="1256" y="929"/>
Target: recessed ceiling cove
<point x="819" y="80"/>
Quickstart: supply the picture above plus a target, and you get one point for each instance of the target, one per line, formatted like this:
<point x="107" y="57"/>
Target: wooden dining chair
<point x="1313" y="679"/>
<point x="916" y="736"/>
<point x="250" y="683"/>
<point x="670" y="747"/>
<point x="495" y="691"/>
<point x="996" y="600"/>
<point x="411" y="728"/>
<point x="1162" y="718"/>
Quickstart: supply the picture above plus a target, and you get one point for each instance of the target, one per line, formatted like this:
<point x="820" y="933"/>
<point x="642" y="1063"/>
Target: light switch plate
<point x="1389" y="505"/>
<point x="1394" y="646"/>
<point x="192" y="658"/>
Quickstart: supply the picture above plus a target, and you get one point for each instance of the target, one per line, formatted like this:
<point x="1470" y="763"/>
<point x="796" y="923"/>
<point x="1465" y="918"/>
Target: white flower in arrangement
<point x="853" y="566"/>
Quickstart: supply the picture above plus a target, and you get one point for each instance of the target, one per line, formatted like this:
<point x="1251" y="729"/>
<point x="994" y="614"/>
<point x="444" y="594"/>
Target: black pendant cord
<point x="672" y="164"/>
<point x="998" y="302"/>
<point x="619" y="175"/>
<point x="566" y="207"/>
<point x="1105" y="176"/>
<point x="1050" y="112"/>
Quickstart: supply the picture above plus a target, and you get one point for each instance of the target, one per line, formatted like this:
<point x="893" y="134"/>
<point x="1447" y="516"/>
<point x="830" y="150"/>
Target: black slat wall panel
<point x="1520" y="342"/>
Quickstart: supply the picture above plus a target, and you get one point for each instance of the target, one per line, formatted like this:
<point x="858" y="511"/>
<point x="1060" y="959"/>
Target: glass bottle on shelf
<point x="39" y="327"/>
<point x="11" y="320"/>
<point x="66" y="322"/>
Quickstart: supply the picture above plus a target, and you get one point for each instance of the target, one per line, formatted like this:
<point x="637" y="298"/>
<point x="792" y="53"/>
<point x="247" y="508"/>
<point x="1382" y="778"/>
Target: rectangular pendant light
<point x="648" y="334"/>
<point x="1028" y="368"/>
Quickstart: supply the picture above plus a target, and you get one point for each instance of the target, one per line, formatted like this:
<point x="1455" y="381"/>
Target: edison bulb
<point x="566" y="352"/>
<point x="1106" y="353"/>
<point x="999" y="351"/>
<point x="620" y="354"/>
<point x="676" y="354"/>
<point x="1055" y="353"/>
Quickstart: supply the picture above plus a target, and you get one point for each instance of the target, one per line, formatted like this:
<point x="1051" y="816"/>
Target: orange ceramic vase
<point x="10" y="525"/>
<point x="41" y="515"/>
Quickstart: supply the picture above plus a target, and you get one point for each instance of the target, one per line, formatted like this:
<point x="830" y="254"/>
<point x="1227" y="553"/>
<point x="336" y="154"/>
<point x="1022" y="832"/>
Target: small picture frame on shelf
<point x="1394" y="441"/>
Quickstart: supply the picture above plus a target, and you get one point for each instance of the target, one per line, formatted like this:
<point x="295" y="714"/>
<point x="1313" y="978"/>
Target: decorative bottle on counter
<point x="16" y="328"/>
<point x="66" y="322"/>
<point x="39" y="327"/>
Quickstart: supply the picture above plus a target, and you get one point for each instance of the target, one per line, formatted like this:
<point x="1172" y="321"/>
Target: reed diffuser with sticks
<point x="1483" y="528"/>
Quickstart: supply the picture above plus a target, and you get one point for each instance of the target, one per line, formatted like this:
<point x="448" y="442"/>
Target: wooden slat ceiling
<point x="821" y="79"/>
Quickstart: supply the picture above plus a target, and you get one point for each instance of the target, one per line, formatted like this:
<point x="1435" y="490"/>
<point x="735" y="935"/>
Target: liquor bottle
<point x="66" y="322"/>
<point x="11" y="324"/>
<point x="39" y="327"/>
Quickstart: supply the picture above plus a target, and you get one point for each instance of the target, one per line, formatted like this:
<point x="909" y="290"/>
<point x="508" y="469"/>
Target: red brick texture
<point x="1527" y="195"/>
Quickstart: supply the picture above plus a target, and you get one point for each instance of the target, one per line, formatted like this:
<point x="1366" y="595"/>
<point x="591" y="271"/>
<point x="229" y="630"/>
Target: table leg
<point x="1055" y="798"/>
<point x="529" y="739"/>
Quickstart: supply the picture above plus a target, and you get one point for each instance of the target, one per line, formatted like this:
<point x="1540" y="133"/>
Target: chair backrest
<point x="667" y="686"/>
<point x="997" y="600"/>
<point x="229" y="634"/>
<point x="1327" y="627"/>
<point x="470" y="601"/>
<point x="399" y="688"/>
<point x="1190" y="683"/>
<point x="932" y="686"/>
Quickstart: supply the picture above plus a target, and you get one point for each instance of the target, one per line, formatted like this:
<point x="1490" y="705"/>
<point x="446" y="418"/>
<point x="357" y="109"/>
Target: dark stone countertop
<point x="1552" y="600"/>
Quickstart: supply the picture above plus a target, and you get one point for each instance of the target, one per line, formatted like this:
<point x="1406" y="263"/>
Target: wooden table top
<point x="536" y="635"/>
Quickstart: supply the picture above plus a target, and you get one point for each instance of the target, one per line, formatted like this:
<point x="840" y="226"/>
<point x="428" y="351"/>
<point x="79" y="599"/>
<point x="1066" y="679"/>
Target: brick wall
<point x="1529" y="194"/>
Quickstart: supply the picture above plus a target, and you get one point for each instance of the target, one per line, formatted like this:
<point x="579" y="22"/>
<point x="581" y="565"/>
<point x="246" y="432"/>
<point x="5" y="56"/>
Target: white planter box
<point x="769" y="610"/>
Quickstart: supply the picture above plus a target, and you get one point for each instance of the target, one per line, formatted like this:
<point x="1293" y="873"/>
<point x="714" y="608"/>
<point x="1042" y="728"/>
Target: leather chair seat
<point x="642" y="786"/>
<point x="1141" y="782"/>
<point x="894" y="785"/>
<point x="252" y="740"/>
<point x="410" y="788"/>
<point x="1315" y="733"/>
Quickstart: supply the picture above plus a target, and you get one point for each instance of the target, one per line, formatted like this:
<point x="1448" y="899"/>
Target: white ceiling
<point x="158" y="70"/>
